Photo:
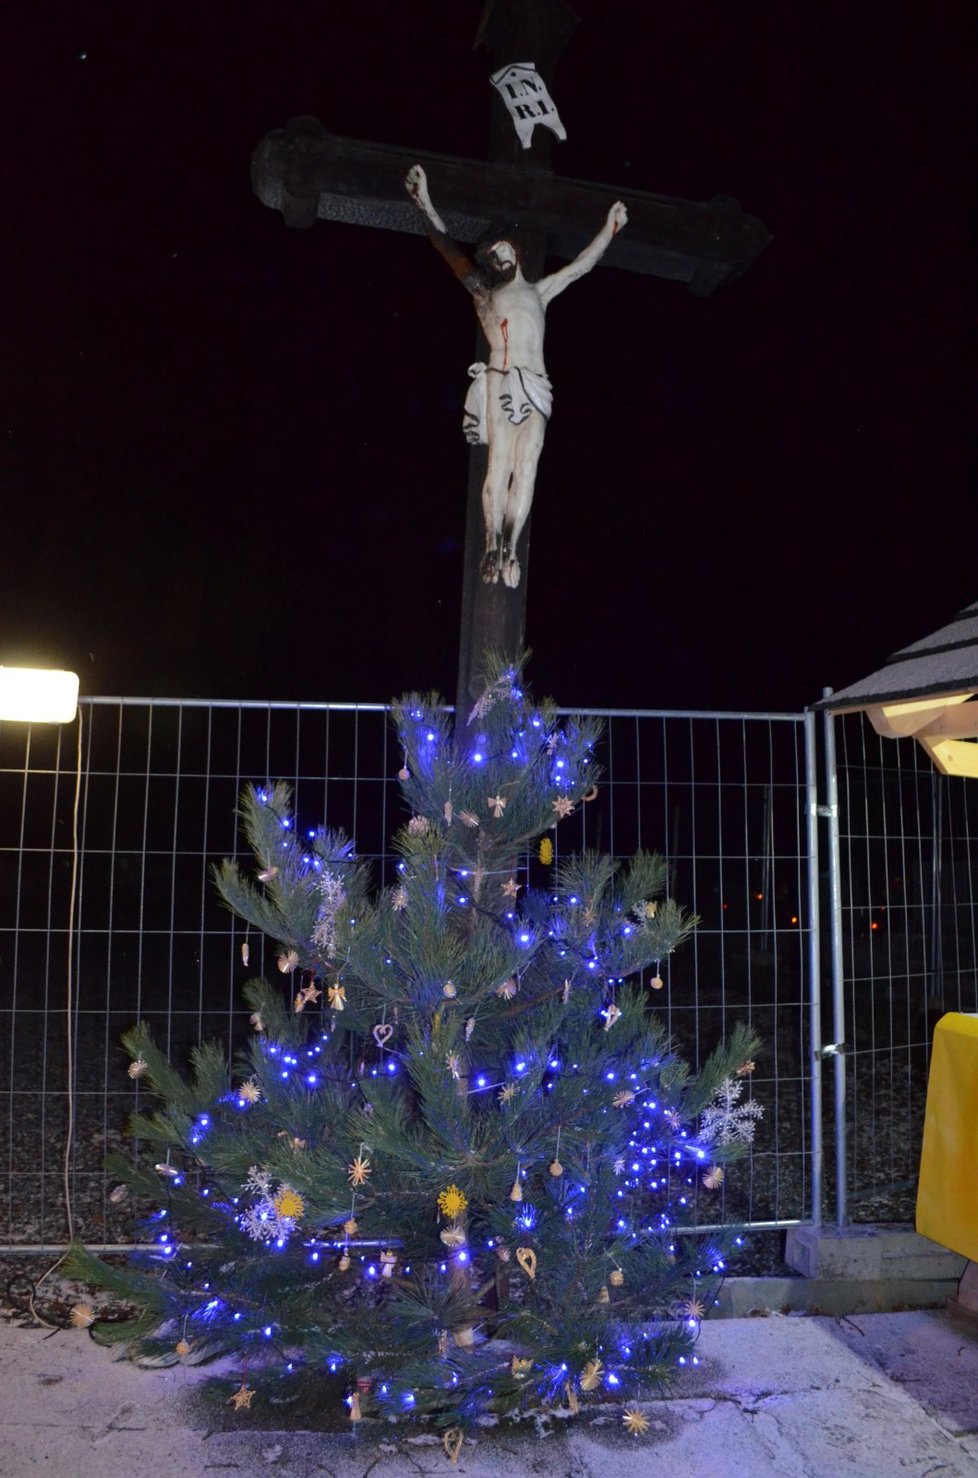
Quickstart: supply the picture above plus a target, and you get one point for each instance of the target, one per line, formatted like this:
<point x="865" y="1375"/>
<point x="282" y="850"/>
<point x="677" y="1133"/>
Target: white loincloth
<point x="520" y="391"/>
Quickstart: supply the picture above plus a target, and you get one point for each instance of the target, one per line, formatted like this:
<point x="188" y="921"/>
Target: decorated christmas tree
<point x="451" y="1171"/>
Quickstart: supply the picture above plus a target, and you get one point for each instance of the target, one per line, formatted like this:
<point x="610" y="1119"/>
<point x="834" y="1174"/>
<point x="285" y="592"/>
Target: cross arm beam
<point x="309" y="174"/>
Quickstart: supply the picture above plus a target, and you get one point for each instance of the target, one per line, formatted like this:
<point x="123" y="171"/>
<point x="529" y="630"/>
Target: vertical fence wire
<point x="721" y="796"/>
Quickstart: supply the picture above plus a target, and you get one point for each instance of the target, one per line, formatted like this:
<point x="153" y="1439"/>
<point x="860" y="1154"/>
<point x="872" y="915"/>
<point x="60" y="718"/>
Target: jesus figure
<point x="510" y="398"/>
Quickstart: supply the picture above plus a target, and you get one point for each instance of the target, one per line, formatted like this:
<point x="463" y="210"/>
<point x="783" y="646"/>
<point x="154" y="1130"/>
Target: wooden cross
<point x="309" y="174"/>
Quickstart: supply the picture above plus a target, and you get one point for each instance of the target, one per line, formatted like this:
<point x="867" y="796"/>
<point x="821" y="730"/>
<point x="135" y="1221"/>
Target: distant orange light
<point x="874" y="926"/>
<point x="794" y="918"/>
<point x="758" y="895"/>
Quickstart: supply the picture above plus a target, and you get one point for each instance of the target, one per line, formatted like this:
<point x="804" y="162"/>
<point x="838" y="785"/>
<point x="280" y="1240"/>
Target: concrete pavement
<point x="798" y="1397"/>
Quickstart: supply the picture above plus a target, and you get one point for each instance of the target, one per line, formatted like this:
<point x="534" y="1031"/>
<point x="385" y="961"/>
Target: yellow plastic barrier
<point x="947" y="1195"/>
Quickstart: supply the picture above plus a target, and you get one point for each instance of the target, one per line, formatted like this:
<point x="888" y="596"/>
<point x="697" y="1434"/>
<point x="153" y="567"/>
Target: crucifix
<point x="309" y="174"/>
<point x="509" y="400"/>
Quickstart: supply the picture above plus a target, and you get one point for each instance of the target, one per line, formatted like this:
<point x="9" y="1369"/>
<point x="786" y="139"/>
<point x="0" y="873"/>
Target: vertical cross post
<point x="494" y="616"/>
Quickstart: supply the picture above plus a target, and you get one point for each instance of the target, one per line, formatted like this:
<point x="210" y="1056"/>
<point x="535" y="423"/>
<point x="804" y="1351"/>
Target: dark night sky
<point x="232" y="463"/>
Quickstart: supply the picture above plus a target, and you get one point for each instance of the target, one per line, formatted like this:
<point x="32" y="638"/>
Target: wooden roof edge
<point x="857" y="696"/>
<point x="845" y="701"/>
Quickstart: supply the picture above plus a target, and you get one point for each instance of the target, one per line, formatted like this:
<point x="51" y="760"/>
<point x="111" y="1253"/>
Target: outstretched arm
<point x="549" y="287"/>
<point x="416" y="184"/>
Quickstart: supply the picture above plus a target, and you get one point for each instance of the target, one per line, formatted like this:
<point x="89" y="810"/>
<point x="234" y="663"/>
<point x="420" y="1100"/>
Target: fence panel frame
<point x="126" y="928"/>
<point x="904" y="950"/>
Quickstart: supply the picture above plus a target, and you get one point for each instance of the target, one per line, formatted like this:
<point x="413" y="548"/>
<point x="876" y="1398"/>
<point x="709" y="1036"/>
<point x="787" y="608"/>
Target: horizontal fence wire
<point x="910" y="949"/>
<point x="721" y="796"/>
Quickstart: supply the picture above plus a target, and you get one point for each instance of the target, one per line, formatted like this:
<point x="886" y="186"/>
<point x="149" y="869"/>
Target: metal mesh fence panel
<point x="910" y="950"/>
<point x="721" y="796"/>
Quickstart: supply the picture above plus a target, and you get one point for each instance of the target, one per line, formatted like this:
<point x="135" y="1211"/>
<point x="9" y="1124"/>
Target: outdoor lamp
<point x="35" y="695"/>
<point x="922" y="692"/>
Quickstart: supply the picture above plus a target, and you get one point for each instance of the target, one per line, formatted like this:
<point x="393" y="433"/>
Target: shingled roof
<point x="942" y="664"/>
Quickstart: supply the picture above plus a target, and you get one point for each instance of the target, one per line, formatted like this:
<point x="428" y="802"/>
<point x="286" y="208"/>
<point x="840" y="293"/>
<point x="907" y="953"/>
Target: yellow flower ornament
<point x="289" y="1203"/>
<point x="452" y="1202"/>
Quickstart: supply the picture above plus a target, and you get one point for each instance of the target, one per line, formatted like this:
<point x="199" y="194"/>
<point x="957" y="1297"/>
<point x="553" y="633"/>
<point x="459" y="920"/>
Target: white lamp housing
<point x="35" y="695"/>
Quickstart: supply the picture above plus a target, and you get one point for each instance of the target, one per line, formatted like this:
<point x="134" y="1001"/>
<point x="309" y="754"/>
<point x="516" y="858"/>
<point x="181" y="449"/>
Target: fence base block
<point x="741" y="1297"/>
<point x="870" y="1253"/>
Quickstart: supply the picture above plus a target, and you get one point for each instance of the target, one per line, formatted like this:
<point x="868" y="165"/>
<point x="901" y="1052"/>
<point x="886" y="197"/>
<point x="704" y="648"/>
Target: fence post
<point x="814" y="964"/>
<point x="838" y="1049"/>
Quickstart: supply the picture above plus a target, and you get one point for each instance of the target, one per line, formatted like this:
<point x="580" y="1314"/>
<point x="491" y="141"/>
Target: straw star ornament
<point x="636" y="1422"/>
<point x="359" y="1172"/>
